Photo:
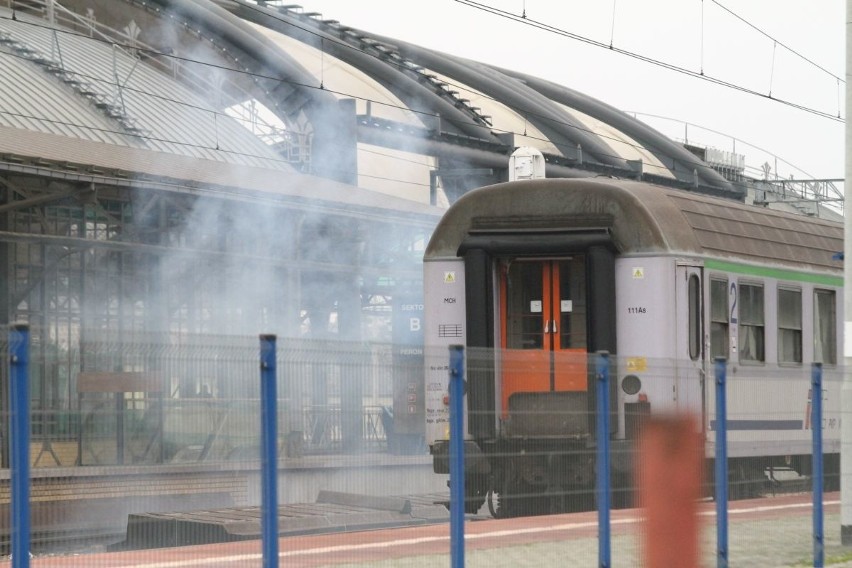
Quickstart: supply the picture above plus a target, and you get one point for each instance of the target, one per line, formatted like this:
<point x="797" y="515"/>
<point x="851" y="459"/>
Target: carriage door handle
<point x="554" y="327"/>
<point x="546" y="326"/>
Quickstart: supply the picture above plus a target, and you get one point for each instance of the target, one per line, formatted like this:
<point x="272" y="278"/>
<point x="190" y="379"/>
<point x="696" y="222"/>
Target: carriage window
<point x="694" y="317"/>
<point x="789" y="326"/>
<point x="825" y="327"/>
<point x="719" y="318"/>
<point x="751" y="334"/>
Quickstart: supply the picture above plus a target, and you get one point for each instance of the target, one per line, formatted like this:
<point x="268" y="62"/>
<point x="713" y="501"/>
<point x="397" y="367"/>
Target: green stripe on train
<point x="779" y="273"/>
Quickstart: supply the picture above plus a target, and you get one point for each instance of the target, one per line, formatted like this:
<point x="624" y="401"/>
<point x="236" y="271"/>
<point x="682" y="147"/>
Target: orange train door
<point x="543" y="326"/>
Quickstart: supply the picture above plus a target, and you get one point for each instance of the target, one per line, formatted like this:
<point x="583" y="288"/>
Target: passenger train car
<point x="534" y="276"/>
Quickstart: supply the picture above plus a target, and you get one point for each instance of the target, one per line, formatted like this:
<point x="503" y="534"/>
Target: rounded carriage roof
<point x="641" y="218"/>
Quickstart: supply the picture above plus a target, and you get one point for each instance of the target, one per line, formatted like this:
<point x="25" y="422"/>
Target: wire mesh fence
<point x="160" y="451"/>
<point x="154" y="400"/>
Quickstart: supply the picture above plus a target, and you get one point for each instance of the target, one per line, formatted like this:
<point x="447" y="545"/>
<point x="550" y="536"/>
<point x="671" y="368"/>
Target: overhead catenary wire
<point x="788" y="48"/>
<point x="663" y="64"/>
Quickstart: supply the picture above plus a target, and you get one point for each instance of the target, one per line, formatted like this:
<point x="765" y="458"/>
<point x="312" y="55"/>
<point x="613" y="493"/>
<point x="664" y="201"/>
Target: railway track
<point x="332" y="512"/>
<point x="774" y="531"/>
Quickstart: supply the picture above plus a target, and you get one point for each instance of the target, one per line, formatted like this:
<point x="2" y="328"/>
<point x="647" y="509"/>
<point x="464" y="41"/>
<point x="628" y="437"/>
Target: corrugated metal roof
<point x="58" y="82"/>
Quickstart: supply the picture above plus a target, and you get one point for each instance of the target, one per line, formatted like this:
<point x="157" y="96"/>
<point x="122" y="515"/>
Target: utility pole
<point x="846" y="389"/>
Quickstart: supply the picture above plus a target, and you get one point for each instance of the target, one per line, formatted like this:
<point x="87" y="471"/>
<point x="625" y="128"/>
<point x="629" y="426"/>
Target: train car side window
<point x="694" y="317"/>
<point x="789" y="325"/>
<point x="825" y="327"/>
<point x="719" y="318"/>
<point x="751" y="325"/>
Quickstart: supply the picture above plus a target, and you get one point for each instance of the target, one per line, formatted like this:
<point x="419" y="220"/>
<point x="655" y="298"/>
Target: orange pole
<point x="669" y="471"/>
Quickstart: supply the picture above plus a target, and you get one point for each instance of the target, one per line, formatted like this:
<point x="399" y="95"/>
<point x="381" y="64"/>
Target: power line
<point x="669" y="66"/>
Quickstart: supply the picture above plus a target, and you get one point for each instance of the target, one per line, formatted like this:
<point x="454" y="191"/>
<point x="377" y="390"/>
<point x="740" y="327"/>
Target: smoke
<point x="240" y="264"/>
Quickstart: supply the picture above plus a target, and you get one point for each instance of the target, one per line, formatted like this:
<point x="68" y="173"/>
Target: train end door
<point x="543" y="366"/>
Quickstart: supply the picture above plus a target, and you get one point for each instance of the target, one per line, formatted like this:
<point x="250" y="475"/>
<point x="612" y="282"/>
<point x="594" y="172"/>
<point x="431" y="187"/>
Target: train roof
<point x="637" y="218"/>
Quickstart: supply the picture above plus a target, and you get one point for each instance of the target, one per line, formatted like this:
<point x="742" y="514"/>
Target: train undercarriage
<point x="515" y="479"/>
<point x="522" y="478"/>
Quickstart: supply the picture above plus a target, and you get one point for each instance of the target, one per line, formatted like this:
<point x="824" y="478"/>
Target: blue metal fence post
<point x="456" y="392"/>
<point x="721" y="476"/>
<point x="817" y="462"/>
<point x="19" y="432"/>
<point x="268" y="451"/>
<point x="603" y="474"/>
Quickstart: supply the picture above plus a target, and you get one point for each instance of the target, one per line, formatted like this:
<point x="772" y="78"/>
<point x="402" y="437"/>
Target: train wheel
<point x="508" y="501"/>
<point x="622" y="492"/>
<point x="520" y="499"/>
<point x="475" y="492"/>
<point x="506" y="506"/>
<point x="746" y="480"/>
<point x="831" y="477"/>
<point x="557" y="500"/>
<point x="580" y="499"/>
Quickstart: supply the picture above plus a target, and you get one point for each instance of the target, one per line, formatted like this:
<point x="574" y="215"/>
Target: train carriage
<point x="533" y="276"/>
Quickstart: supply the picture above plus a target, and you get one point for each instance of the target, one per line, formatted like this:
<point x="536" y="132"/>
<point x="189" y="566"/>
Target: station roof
<point x="241" y="82"/>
